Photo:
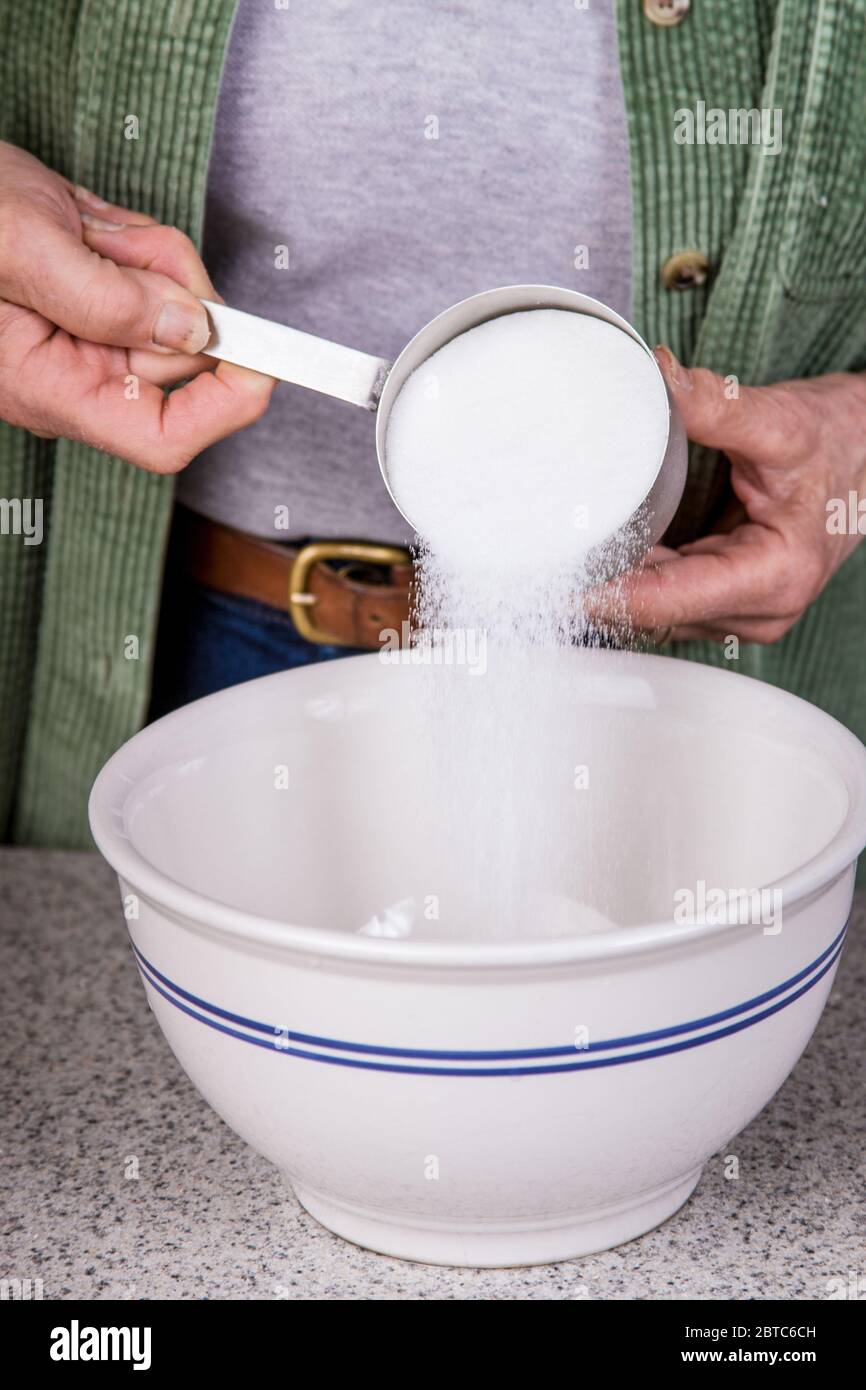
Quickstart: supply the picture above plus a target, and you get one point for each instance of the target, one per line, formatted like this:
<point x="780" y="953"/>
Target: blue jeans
<point x="208" y="640"/>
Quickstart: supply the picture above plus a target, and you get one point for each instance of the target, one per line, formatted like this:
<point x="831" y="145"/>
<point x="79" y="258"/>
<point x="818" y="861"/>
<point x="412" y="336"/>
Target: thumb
<point x="93" y="298"/>
<point x="716" y="411"/>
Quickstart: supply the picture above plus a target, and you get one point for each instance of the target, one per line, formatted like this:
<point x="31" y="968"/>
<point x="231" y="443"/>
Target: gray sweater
<point x="375" y="161"/>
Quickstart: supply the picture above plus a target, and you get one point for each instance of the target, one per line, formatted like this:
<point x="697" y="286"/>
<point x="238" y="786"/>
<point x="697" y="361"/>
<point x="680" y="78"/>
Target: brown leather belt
<point x="343" y="593"/>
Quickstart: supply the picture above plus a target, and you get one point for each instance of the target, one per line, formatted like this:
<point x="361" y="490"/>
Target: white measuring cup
<point x="374" y="382"/>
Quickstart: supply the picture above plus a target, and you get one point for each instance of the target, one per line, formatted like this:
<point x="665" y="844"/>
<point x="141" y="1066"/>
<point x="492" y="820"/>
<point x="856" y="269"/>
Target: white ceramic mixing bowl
<point x="484" y="1102"/>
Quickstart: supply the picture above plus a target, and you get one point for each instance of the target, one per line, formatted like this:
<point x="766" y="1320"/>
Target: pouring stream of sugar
<point x="522" y="450"/>
<point x="526" y="433"/>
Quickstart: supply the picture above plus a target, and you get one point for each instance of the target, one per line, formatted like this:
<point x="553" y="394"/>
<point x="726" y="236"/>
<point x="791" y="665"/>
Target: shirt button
<point x="666" y="12"/>
<point x="685" y="270"/>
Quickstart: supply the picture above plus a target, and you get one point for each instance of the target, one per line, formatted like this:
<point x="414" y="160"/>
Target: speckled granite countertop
<point x="90" y="1092"/>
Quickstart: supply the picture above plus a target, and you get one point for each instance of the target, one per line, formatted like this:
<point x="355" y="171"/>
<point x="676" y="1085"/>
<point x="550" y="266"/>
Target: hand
<point x="792" y="448"/>
<point x="99" y="311"/>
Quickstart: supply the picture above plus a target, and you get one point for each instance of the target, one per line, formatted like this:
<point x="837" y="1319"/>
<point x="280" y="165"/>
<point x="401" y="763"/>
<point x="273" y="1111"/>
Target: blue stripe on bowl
<point x="634" y="1040"/>
<point x="162" y="985"/>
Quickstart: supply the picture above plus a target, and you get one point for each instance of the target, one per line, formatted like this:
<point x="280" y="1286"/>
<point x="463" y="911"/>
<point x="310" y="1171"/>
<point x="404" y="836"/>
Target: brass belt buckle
<point x="300" y="598"/>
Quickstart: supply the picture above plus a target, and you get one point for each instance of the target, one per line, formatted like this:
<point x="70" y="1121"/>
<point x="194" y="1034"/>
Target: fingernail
<point x="99" y="224"/>
<point x="679" y="376"/>
<point x="84" y="195"/>
<point x="181" y="327"/>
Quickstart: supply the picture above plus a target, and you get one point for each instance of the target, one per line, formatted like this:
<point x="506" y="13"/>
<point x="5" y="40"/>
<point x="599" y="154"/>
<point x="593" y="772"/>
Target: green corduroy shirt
<point x="785" y="237"/>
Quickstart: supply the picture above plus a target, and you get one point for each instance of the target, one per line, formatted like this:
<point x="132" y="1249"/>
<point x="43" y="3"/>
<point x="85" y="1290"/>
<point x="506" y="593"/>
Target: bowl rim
<point x="200" y="912"/>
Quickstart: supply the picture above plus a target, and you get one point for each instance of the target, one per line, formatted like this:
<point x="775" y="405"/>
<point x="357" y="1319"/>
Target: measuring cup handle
<point x="290" y="355"/>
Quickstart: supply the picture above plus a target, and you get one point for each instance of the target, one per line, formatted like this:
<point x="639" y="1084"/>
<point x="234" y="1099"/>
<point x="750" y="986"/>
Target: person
<point x="353" y="169"/>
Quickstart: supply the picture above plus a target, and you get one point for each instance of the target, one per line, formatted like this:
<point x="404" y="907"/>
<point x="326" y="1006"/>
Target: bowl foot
<point x="490" y="1246"/>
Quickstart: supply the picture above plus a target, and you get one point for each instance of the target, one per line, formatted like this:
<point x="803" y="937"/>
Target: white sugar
<point x="527" y="441"/>
<point x="519" y="451"/>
